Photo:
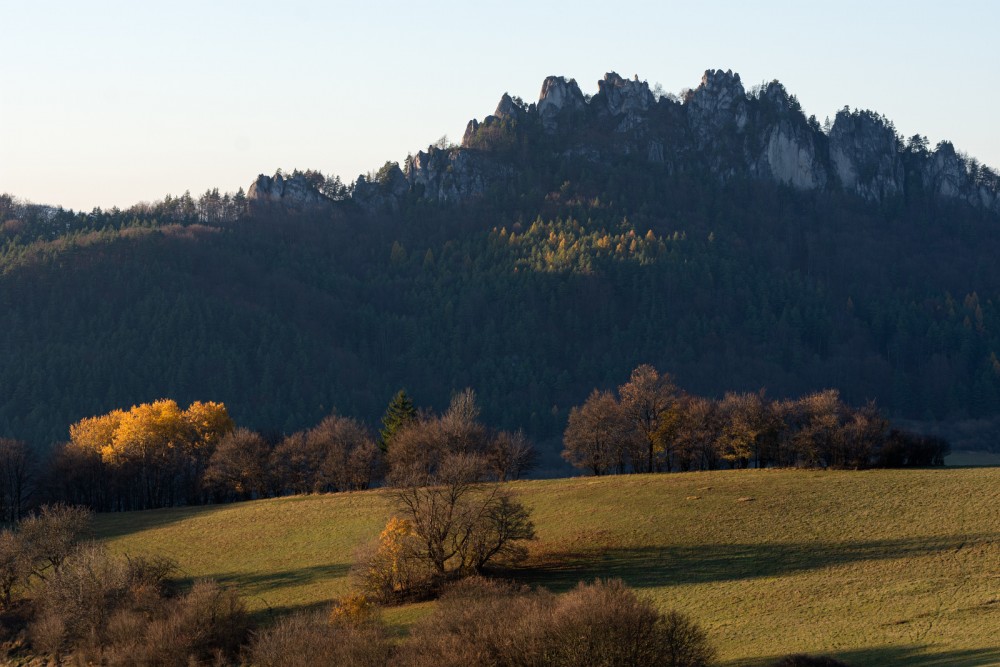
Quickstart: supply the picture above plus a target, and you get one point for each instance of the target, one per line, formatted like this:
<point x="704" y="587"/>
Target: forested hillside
<point x="722" y="237"/>
<point x="531" y="295"/>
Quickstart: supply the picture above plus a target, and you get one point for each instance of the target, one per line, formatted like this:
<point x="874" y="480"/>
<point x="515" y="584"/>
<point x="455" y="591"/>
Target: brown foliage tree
<point x="238" y="468"/>
<point x="644" y="400"/>
<point x="597" y="435"/>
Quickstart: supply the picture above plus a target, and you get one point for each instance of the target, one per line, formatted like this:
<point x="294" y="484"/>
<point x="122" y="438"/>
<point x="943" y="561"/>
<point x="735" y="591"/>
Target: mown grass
<point x="876" y="568"/>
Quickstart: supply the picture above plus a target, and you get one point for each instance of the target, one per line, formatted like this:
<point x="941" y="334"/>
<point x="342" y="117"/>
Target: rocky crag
<point x="718" y="128"/>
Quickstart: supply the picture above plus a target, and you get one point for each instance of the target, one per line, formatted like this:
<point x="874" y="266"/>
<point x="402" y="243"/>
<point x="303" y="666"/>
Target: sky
<point x="109" y="103"/>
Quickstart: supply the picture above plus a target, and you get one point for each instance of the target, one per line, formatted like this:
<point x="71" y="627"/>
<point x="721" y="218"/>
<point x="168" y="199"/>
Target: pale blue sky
<point x="113" y="102"/>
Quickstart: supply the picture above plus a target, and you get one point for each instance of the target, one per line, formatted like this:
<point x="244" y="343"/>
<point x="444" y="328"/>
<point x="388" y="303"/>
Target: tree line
<point x="174" y="298"/>
<point x="651" y="425"/>
<point x="159" y="454"/>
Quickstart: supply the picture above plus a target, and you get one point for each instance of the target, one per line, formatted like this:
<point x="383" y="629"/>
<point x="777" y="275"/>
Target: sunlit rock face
<point x="292" y="193"/>
<point x="865" y="155"/>
<point x="559" y="97"/>
<point x="719" y="102"/>
<point x="626" y="101"/>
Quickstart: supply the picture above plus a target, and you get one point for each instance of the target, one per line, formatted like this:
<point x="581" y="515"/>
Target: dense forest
<point x="562" y="277"/>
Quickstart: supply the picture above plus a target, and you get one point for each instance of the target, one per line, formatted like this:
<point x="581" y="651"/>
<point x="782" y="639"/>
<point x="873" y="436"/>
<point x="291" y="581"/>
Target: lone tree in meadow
<point x="455" y="517"/>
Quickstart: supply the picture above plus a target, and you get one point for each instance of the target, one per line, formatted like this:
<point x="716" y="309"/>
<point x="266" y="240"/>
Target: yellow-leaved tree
<point x="156" y="451"/>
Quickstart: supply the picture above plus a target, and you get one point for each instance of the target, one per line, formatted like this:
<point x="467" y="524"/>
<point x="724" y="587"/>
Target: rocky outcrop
<point x="789" y="158"/>
<point x="294" y="193"/>
<point x="717" y="128"/>
<point x="789" y="153"/>
<point x="948" y="176"/>
<point x="382" y="192"/>
<point x="558" y="97"/>
<point x="450" y="175"/>
<point x="865" y="155"/>
<point x="718" y="103"/>
<point x="622" y="99"/>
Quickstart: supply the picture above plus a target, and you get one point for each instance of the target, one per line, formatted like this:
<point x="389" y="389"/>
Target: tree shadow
<point x="254" y="583"/>
<point x="910" y="656"/>
<point x="268" y="614"/>
<point x="655" y="566"/>
<point x="110" y="525"/>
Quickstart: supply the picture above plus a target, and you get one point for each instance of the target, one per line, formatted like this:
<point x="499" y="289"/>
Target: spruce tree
<point x="399" y="413"/>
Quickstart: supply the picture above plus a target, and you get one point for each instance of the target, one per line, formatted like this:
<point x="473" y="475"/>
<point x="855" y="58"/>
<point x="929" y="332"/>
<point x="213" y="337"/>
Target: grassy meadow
<point x="887" y="567"/>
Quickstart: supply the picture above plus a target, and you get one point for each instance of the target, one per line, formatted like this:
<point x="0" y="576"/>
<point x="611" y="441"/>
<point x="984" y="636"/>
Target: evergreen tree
<point x="399" y="413"/>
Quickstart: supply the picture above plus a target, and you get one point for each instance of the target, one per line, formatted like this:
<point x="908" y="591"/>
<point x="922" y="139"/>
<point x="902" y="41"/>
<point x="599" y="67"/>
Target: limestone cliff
<point x="294" y="193"/>
<point x="719" y="128"/>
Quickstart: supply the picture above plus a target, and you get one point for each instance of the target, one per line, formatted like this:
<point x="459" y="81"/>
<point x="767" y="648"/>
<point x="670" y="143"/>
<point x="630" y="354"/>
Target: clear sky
<point x="111" y="102"/>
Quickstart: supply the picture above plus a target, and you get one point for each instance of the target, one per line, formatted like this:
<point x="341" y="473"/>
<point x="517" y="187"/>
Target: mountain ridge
<point x="717" y="127"/>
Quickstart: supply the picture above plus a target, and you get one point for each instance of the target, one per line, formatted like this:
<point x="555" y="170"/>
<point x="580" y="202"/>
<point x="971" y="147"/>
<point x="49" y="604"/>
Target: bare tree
<point x="51" y="534"/>
<point x="239" y="465"/>
<point x="510" y="455"/>
<point x="597" y="436"/>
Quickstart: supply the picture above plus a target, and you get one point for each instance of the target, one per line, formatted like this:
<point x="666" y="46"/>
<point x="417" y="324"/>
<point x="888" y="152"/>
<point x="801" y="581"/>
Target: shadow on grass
<point x="109" y="525"/>
<point x="267" y="614"/>
<point x="256" y="583"/>
<point x="645" y="567"/>
<point x="910" y="656"/>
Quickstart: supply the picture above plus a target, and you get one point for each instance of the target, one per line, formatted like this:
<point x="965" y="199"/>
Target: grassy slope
<point x="881" y="567"/>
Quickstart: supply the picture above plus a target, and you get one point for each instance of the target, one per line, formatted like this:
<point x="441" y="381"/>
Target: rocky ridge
<point x="718" y="127"/>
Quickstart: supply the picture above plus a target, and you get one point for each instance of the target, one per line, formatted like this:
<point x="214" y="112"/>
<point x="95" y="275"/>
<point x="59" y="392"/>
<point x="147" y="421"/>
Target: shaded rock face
<point x="450" y="175"/>
<point x="382" y="193"/>
<point x="947" y="175"/>
<point x="789" y="154"/>
<point x="294" y="193"/>
<point x="865" y="155"/>
<point x="790" y="158"/>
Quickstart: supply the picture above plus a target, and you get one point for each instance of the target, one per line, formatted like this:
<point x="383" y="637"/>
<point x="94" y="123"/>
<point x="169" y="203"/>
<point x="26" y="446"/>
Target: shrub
<point x="482" y="622"/>
<point x="114" y="610"/>
<point x="317" y="640"/>
<point x="606" y="623"/>
<point x="392" y="570"/>
<point x="208" y="625"/>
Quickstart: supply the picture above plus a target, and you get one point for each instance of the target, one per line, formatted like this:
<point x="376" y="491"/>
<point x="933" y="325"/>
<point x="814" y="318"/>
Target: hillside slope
<point x="724" y="238"/>
<point x="877" y="568"/>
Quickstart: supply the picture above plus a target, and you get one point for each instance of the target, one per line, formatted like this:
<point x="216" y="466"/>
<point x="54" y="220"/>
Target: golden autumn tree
<point x="157" y="451"/>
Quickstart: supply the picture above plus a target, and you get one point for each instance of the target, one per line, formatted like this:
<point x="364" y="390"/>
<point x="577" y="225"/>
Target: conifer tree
<point x="399" y="413"/>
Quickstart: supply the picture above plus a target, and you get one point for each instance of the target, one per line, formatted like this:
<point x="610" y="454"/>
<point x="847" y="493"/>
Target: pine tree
<point x="399" y="413"/>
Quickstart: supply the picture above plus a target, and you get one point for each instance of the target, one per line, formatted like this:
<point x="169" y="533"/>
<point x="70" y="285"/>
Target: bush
<point x="482" y="622"/>
<point x="318" y="639"/>
<point x="114" y="610"/>
<point x="606" y="623"/>
<point x="206" y="626"/>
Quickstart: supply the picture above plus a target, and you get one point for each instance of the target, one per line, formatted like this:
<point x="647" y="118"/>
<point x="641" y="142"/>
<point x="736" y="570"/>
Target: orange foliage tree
<point x="156" y="452"/>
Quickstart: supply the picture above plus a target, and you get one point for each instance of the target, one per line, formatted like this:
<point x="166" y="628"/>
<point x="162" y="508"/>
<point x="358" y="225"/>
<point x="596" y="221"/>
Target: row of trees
<point x="650" y="425"/>
<point x="158" y="454"/>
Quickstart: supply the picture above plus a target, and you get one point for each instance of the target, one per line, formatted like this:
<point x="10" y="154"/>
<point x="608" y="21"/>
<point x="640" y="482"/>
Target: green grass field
<point x="896" y="567"/>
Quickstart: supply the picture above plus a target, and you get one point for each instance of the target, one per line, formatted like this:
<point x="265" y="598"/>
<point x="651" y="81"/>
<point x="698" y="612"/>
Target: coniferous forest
<point x="534" y="299"/>
<point x="555" y="281"/>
